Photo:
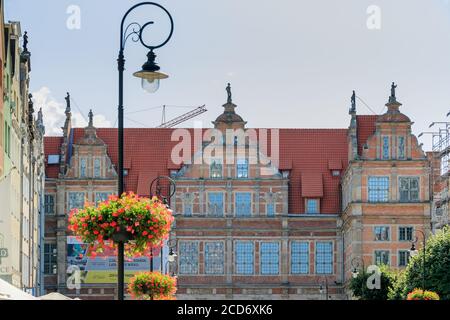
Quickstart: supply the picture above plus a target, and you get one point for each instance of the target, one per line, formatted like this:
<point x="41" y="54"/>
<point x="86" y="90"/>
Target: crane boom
<point x="185" y="117"/>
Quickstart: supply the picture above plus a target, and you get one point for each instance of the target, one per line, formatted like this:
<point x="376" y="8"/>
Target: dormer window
<point x="285" y="174"/>
<point x="336" y="173"/>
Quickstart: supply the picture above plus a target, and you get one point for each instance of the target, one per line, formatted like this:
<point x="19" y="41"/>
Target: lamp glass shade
<point x="171" y="258"/>
<point x="414" y="252"/>
<point x="150" y="80"/>
<point x="150" y="86"/>
<point x="355" y="274"/>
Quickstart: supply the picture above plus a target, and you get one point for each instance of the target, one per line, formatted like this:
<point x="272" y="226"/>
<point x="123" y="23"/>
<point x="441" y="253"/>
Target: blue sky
<point x="291" y="63"/>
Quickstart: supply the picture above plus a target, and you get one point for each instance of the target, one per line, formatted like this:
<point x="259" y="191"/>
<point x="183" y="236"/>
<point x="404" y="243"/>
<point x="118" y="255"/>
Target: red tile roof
<point x="51" y="147"/>
<point x="303" y="151"/>
<point x="335" y="164"/>
<point x="365" y="129"/>
<point x="312" y="185"/>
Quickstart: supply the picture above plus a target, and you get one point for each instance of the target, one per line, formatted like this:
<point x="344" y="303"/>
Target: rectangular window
<point x="312" y="206"/>
<point x="270" y="256"/>
<point x="214" y="257"/>
<point x="97" y="168"/>
<point x="403" y="258"/>
<point x="378" y="189"/>
<point x="215" y="169"/>
<point x="101" y="196"/>
<point x="187" y="210"/>
<point x="300" y="257"/>
<point x="242" y="168"/>
<point x="244" y="257"/>
<point x="324" y="257"/>
<point x="382" y="257"/>
<point x="401" y="147"/>
<point x="215" y="204"/>
<point x="188" y="257"/>
<point x="270" y="209"/>
<point x="49" y="204"/>
<point x="381" y="233"/>
<point x="76" y="200"/>
<point x="385" y="148"/>
<point x="405" y="233"/>
<point x="50" y="258"/>
<point x="83" y="166"/>
<point x="409" y="189"/>
<point x="243" y="203"/>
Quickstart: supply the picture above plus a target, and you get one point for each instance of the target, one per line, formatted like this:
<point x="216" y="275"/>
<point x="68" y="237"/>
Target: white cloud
<point x="54" y="116"/>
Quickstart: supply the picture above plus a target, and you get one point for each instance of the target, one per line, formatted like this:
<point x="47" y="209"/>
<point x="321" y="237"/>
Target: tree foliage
<point x="437" y="267"/>
<point x="362" y="290"/>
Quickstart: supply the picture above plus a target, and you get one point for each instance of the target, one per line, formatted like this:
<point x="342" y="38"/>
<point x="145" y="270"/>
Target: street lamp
<point x="324" y="283"/>
<point x="414" y="252"/>
<point x="356" y="263"/>
<point x="150" y="76"/>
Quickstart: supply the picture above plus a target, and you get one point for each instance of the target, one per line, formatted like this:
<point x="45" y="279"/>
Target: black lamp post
<point x="150" y="76"/>
<point x="413" y="252"/>
<point x="164" y="188"/>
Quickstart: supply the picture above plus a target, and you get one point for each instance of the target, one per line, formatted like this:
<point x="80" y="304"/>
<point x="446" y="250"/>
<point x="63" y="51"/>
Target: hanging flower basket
<point x="146" y="222"/>
<point x="419" y="294"/>
<point x="152" y="286"/>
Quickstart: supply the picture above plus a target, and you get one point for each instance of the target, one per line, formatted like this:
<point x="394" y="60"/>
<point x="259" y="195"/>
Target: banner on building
<point x="103" y="268"/>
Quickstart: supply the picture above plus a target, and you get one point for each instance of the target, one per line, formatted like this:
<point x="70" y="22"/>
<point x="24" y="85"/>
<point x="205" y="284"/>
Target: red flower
<point x="144" y="233"/>
<point x="115" y="214"/>
<point x="113" y="224"/>
<point x="96" y="232"/>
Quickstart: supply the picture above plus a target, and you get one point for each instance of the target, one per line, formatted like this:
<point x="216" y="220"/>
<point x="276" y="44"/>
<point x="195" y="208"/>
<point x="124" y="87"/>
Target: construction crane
<point x="184" y="117"/>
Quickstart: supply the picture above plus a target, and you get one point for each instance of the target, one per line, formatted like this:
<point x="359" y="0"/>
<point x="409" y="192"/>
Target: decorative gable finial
<point x="25" y="42"/>
<point x="67" y="103"/>
<point x="353" y="107"/>
<point x="393" y="98"/>
<point x="230" y="100"/>
<point x="91" y="118"/>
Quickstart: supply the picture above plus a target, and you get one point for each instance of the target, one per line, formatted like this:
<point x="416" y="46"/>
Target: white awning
<point x="9" y="292"/>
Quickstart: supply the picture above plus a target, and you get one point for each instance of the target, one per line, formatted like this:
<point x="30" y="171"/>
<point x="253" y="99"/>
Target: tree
<point x="437" y="266"/>
<point x="360" y="288"/>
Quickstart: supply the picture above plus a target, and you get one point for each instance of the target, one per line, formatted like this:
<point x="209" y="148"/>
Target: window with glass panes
<point x="101" y="196"/>
<point x="381" y="233"/>
<point x="403" y="258"/>
<point x="76" y="200"/>
<point x="83" y="167"/>
<point x="49" y="204"/>
<point x="324" y="257"/>
<point x="244" y="257"/>
<point x="188" y="257"/>
<point x="270" y="210"/>
<point x="214" y="257"/>
<point x="401" y="147"/>
<point x="187" y="210"/>
<point x="97" y="168"/>
<point x="299" y="257"/>
<point x="382" y="257"/>
<point x="215" y="204"/>
<point x="378" y="189"/>
<point x="243" y="204"/>
<point x="312" y="206"/>
<point x="409" y="189"/>
<point x="242" y="168"/>
<point x="215" y="169"/>
<point x="405" y="233"/>
<point x="50" y="258"/>
<point x="385" y="148"/>
<point x="270" y="257"/>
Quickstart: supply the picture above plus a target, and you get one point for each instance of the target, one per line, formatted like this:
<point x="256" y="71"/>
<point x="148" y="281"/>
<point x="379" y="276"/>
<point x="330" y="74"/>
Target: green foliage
<point x="361" y="290"/>
<point x="437" y="263"/>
